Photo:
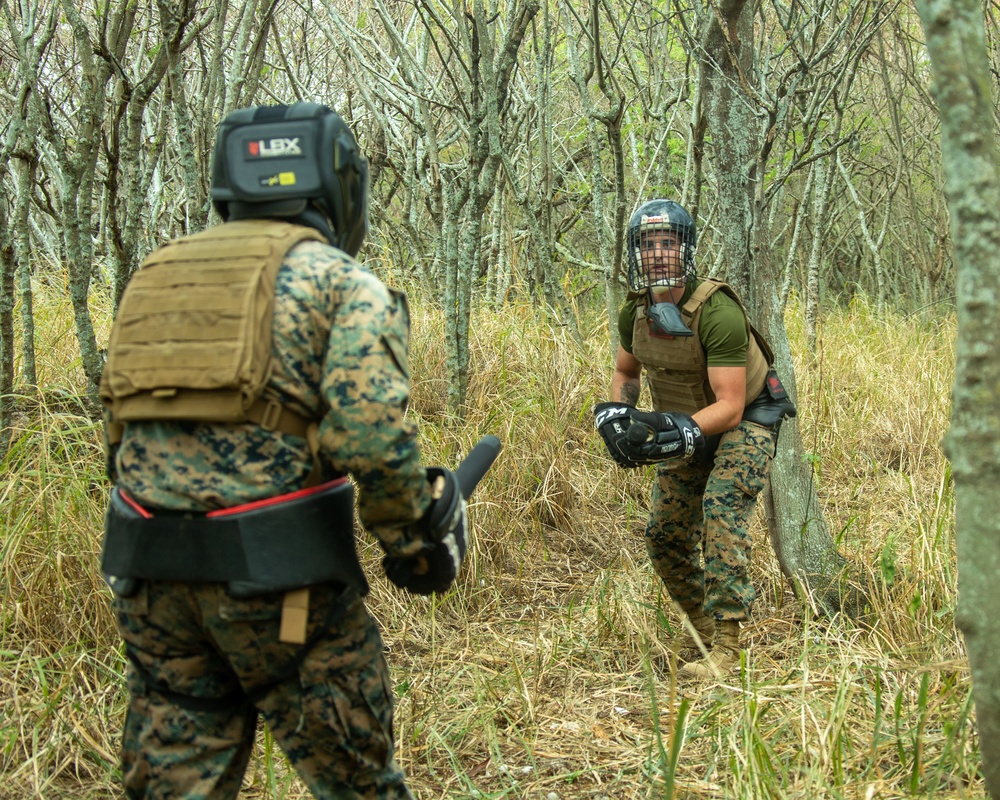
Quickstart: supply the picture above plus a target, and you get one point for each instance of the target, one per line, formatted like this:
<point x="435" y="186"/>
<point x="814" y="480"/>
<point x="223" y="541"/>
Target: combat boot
<point x="705" y="627"/>
<point x="725" y="653"/>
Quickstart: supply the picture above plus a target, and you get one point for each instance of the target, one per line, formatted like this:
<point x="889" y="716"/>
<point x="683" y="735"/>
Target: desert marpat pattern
<point x="340" y="344"/>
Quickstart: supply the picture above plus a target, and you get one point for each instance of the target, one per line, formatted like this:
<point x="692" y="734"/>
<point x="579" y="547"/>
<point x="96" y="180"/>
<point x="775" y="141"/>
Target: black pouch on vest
<point x="288" y="542"/>
<point x="667" y="317"/>
<point x="772" y="405"/>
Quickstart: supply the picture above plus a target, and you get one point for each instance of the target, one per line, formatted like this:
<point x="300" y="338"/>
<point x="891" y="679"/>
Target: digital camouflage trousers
<point x="204" y="666"/>
<point x="697" y="535"/>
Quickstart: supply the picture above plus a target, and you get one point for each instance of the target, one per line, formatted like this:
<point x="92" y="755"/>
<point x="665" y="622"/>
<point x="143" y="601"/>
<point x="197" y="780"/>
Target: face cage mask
<point x="668" y="265"/>
<point x="663" y="267"/>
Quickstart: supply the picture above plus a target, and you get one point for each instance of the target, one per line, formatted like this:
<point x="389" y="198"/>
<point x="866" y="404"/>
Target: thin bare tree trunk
<point x="8" y="267"/>
<point x="799" y="534"/>
<point x="31" y="39"/>
<point x="174" y="18"/>
<point x="819" y="172"/>
<point x="132" y="161"/>
<point x="25" y="168"/>
<point x="583" y="68"/>
<point x="78" y="165"/>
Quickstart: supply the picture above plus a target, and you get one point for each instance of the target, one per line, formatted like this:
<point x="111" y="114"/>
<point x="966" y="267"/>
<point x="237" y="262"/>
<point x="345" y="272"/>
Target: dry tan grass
<point x="546" y="673"/>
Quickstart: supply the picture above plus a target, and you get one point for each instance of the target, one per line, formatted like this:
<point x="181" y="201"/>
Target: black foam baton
<point x="468" y="474"/>
<point x="475" y="465"/>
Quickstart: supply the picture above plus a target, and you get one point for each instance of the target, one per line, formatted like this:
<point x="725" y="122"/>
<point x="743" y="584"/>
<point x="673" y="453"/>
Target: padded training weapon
<point x="475" y="465"/>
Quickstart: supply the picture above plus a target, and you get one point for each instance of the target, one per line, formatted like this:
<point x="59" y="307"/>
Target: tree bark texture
<point x="796" y="524"/>
<point x="727" y="58"/>
<point x="8" y="267"/>
<point x="583" y="55"/>
<point x="490" y="70"/>
<point x="798" y="530"/>
<point x="25" y="169"/>
<point x="20" y="162"/>
<point x="955" y="41"/>
<point x="79" y="167"/>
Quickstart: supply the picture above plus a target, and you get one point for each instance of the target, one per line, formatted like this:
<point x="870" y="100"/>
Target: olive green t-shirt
<point x="722" y="330"/>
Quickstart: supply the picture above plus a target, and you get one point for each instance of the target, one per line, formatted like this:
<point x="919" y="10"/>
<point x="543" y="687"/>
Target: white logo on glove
<point x="689" y="440"/>
<point x="609" y="414"/>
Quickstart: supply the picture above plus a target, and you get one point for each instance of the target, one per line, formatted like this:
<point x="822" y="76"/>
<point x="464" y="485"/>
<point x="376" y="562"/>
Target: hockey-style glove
<point x="613" y="421"/>
<point x="662" y="436"/>
<point x="444" y="528"/>
<point x="634" y="438"/>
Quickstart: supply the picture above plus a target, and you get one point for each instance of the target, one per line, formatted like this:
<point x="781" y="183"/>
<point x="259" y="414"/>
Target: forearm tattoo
<point x="630" y="392"/>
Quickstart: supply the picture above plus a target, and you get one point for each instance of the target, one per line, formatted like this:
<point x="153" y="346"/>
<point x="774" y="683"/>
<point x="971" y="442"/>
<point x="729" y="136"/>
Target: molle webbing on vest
<point x="192" y="338"/>
<point x="676" y="367"/>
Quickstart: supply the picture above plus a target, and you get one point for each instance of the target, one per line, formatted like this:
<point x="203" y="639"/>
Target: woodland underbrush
<point x="547" y="672"/>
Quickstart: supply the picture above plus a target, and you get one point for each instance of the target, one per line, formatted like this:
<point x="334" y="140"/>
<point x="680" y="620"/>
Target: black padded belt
<point x="274" y="546"/>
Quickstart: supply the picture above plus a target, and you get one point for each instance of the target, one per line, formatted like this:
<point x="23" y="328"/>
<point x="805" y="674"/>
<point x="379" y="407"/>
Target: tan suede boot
<point x="704" y="625"/>
<point x="725" y="654"/>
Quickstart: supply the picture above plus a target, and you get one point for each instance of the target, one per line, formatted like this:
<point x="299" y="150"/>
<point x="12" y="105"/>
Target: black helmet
<point x="299" y="162"/>
<point x="658" y="215"/>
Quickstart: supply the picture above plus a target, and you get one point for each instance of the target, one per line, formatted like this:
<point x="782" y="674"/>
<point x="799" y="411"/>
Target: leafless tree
<point x="507" y="143"/>
<point x="748" y="110"/>
<point x="602" y="110"/>
<point x="8" y="268"/>
<point x="18" y="166"/>
<point x="448" y="71"/>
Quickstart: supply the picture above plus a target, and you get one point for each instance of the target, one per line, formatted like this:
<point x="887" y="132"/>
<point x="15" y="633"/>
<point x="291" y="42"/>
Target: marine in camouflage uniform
<point x="205" y="665"/>
<point x="712" y="433"/>
<point x="332" y="714"/>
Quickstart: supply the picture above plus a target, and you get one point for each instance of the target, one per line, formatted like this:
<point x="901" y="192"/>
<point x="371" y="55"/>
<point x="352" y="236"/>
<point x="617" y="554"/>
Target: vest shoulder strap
<point x="710" y="286"/>
<point x="700" y="295"/>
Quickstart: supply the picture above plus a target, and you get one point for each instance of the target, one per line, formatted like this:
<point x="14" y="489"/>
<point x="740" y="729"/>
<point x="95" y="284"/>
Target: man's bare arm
<point x="626" y="380"/>
<point x="729" y="385"/>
